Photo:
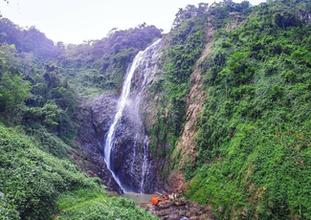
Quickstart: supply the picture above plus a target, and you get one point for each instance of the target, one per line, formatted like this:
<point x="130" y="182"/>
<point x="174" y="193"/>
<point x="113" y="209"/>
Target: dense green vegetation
<point x="90" y="205"/>
<point x="89" y="68"/>
<point x="27" y="40"/>
<point x="100" y="66"/>
<point x="34" y="94"/>
<point x="185" y="44"/>
<point x="254" y="135"/>
<point x="32" y="179"/>
<point x="32" y="183"/>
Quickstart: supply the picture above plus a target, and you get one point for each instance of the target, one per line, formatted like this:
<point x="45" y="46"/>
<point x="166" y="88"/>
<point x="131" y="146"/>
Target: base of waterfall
<point x="140" y="199"/>
<point x="172" y="209"/>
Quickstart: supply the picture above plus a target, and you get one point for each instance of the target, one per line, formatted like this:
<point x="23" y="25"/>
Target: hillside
<point x="36" y="184"/>
<point x="218" y="110"/>
<point x="253" y="139"/>
<point x="246" y="151"/>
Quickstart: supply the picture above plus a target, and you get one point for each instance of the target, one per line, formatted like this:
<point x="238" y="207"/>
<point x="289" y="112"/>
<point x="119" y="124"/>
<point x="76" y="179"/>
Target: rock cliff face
<point x="185" y="149"/>
<point x="94" y="117"/>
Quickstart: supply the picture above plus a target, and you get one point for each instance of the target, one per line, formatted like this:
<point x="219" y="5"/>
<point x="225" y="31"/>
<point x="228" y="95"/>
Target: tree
<point x="13" y="92"/>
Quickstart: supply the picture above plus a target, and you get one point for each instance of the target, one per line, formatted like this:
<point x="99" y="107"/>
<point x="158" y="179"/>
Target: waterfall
<point x="122" y="103"/>
<point x="145" y="167"/>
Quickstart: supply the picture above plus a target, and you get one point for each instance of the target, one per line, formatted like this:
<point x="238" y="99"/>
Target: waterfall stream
<point x="145" y="168"/>
<point x="122" y="103"/>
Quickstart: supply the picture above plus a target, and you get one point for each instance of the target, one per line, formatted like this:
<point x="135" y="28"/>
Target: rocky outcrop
<point x="185" y="151"/>
<point x="128" y="155"/>
<point x="180" y="209"/>
<point x="185" y="148"/>
<point x="94" y="117"/>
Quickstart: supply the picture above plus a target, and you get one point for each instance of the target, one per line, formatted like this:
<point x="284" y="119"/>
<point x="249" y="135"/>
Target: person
<point x="155" y="200"/>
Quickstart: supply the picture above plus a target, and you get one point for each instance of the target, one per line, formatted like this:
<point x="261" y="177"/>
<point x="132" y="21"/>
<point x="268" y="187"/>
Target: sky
<point x="75" y="21"/>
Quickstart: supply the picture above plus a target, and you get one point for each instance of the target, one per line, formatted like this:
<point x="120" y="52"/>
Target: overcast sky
<point x="73" y="21"/>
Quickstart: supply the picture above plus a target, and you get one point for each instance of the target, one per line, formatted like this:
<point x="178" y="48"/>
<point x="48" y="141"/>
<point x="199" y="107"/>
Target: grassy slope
<point x="254" y="138"/>
<point x="96" y="205"/>
<point x="33" y="182"/>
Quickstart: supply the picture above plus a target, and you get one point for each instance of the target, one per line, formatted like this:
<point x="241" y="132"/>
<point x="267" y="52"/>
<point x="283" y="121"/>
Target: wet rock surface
<point x="128" y="156"/>
<point x="180" y="209"/>
<point x="94" y="118"/>
<point x="173" y="206"/>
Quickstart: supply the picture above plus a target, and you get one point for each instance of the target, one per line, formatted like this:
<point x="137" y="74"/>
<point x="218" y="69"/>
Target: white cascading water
<point x="134" y="154"/>
<point x="120" y="109"/>
<point x="145" y="168"/>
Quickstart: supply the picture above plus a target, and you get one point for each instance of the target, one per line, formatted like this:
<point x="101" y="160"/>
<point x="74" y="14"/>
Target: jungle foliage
<point x="254" y="134"/>
<point x="184" y="46"/>
<point x="36" y="184"/>
<point x="100" y="65"/>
